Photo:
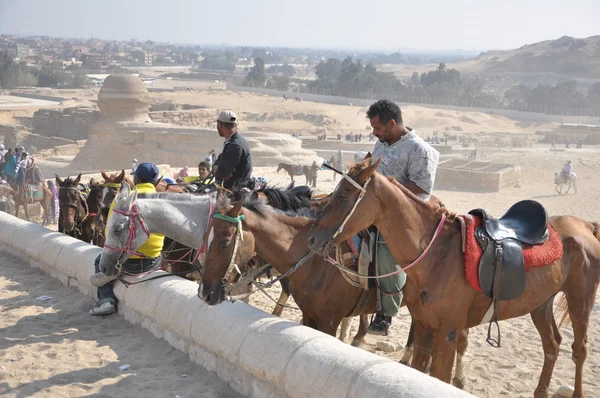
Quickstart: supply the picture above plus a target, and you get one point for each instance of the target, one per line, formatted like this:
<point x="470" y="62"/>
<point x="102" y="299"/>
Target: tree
<point x="415" y="78"/>
<point x="256" y="77"/>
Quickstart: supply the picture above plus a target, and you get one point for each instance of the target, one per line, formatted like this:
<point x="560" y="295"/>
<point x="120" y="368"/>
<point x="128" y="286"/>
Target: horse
<point x="73" y="218"/>
<point x="560" y="181"/>
<point x="309" y="172"/>
<point x="33" y="177"/>
<point x="440" y="299"/>
<point x="323" y="295"/>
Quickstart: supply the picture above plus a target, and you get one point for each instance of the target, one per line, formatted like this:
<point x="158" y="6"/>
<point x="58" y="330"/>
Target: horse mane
<point x="286" y="200"/>
<point x="436" y="209"/>
<point x="260" y="206"/>
<point x="175" y="196"/>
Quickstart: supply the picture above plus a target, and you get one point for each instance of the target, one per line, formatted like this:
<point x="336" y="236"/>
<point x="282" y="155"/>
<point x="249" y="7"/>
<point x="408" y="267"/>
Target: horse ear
<point x="77" y="179"/>
<point x="92" y="181"/>
<point x="125" y="189"/>
<point x="368" y="156"/>
<point x="133" y="197"/>
<point x="106" y="178"/>
<point x="236" y="209"/>
<point x="122" y="175"/>
<point x="369" y="170"/>
<point x="58" y="180"/>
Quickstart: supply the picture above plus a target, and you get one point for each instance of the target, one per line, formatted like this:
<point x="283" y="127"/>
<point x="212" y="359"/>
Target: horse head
<point x="228" y="247"/>
<point x="69" y="199"/>
<point x="112" y="185"/>
<point x="344" y="202"/>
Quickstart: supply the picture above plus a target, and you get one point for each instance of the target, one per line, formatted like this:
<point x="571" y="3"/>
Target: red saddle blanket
<point x="34" y="192"/>
<point x="533" y="256"/>
<point x="297" y="170"/>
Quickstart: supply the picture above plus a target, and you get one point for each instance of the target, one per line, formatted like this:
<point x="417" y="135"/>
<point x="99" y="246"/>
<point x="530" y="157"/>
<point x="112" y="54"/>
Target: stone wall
<point x="70" y="123"/>
<point x="194" y="117"/>
<point x="460" y="175"/>
<point x="258" y="354"/>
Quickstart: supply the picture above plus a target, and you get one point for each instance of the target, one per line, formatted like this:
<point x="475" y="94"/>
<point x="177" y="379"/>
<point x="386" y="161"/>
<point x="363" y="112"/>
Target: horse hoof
<point x="357" y="343"/>
<point x="459" y="383"/>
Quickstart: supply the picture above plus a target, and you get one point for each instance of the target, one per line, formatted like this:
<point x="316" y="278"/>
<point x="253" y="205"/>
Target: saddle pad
<point x="34" y="192"/>
<point x="297" y="170"/>
<point x="533" y="256"/>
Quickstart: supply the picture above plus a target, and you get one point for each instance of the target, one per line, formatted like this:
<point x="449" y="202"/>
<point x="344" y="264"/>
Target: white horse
<point x="560" y="181"/>
<point x="183" y="218"/>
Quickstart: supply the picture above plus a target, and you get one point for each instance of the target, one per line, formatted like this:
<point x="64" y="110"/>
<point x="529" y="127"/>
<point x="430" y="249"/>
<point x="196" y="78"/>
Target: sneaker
<point x="100" y="279"/>
<point x="380" y="325"/>
<point x="105" y="308"/>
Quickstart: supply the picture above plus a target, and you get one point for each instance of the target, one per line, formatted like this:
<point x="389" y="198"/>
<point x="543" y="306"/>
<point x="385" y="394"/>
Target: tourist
<point x="209" y="160"/>
<point x="134" y="164"/>
<point x="567" y="170"/>
<point x="54" y="209"/>
<point x="145" y="177"/>
<point x="2" y="153"/>
<point x="183" y="173"/>
<point x="21" y="174"/>
<point x="10" y="166"/>
<point x="234" y="164"/>
<point x="213" y="157"/>
<point x="413" y="162"/>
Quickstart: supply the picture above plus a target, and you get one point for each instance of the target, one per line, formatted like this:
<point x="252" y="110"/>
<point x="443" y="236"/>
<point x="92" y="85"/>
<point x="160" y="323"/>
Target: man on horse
<point x="413" y="162"/>
<point x="567" y="170"/>
<point x="145" y="178"/>
<point x="234" y="164"/>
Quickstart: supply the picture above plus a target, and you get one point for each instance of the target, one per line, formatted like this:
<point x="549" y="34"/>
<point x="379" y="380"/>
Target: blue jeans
<point x="132" y="266"/>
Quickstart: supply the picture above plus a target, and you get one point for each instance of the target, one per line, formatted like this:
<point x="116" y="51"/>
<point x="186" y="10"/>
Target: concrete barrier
<point x="258" y="354"/>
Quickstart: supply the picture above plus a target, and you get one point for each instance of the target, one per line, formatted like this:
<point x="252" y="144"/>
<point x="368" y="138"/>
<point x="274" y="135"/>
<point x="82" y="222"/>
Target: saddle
<point x="34" y="192"/>
<point x="297" y="169"/>
<point x="501" y="268"/>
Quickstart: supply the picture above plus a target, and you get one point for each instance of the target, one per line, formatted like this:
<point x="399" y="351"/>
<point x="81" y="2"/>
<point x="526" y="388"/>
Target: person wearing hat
<point x="567" y="170"/>
<point x="234" y="164"/>
<point x="145" y="177"/>
<point x="134" y="163"/>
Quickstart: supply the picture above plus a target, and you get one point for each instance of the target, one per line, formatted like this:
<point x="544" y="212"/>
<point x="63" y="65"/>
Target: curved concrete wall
<point x="258" y="354"/>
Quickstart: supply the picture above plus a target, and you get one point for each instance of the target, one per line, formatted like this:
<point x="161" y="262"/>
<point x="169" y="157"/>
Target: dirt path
<point x="55" y="349"/>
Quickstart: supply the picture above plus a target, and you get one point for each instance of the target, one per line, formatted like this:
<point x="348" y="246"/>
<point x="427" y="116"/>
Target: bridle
<point x="239" y="237"/>
<point x="133" y="215"/>
<point x="363" y="191"/>
<point x="79" y="219"/>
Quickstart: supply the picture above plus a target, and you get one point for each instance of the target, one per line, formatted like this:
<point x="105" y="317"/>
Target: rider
<point x="567" y="170"/>
<point x="234" y="164"/>
<point x="145" y="177"/>
<point x="413" y="162"/>
<point x="21" y="173"/>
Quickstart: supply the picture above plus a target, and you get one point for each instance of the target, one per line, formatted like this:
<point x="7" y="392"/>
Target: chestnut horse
<point x="319" y="289"/>
<point x="441" y="301"/>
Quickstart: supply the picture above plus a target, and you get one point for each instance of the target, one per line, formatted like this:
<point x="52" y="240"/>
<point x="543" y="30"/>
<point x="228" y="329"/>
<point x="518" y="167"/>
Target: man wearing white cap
<point x="234" y="164"/>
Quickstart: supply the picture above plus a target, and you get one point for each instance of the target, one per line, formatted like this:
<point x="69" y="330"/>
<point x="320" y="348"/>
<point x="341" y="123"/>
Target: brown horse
<point x="34" y="176"/>
<point x="439" y="298"/>
<point x="309" y="172"/>
<point x="319" y="289"/>
<point x="73" y="217"/>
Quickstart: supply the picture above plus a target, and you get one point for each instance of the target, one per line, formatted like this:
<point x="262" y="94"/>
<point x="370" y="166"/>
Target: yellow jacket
<point x="154" y="245"/>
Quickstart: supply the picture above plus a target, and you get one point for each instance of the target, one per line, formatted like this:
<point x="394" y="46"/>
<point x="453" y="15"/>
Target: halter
<point x="363" y="191"/>
<point x="114" y="185"/>
<point x="75" y="205"/>
<point x="133" y="215"/>
<point x="238" y="237"/>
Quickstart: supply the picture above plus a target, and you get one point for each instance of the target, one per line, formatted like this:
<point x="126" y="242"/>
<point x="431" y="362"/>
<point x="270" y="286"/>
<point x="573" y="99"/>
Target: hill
<point x="566" y="56"/>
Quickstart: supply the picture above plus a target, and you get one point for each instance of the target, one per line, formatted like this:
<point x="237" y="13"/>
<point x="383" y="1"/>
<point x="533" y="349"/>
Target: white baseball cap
<point x="227" y="117"/>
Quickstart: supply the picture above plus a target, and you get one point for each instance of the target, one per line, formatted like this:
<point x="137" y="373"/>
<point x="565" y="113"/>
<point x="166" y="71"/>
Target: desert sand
<point x="55" y="349"/>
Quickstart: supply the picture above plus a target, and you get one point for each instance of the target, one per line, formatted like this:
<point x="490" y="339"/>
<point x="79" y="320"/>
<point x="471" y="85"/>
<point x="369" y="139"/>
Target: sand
<point x="55" y="349"/>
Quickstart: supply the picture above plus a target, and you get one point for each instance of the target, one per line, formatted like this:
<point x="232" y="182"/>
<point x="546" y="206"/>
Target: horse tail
<point x="562" y="312"/>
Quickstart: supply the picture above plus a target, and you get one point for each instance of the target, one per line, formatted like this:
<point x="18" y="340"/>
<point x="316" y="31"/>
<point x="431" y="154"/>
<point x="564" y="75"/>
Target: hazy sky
<point x="367" y="24"/>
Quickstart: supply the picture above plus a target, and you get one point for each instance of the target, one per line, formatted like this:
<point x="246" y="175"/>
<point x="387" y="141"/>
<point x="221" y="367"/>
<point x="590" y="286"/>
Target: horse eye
<point x="118" y="228"/>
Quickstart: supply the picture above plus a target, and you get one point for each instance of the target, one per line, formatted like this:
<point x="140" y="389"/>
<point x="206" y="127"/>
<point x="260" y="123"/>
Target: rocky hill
<point x="566" y="56"/>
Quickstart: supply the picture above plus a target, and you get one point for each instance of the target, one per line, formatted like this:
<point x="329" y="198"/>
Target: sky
<point x="386" y="25"/>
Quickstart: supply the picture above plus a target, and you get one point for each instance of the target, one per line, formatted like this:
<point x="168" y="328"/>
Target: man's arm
<point x="422" y="168"/>
<point x="228" y="162"/>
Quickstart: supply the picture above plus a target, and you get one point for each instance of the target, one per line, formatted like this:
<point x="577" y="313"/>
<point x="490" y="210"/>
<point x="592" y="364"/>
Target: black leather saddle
<point x="502" y="269"/>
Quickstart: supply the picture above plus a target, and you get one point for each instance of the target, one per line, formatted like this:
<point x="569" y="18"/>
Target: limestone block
<point x="334" y="366"/>
<point x="52" y="247"/>
<point x="269" y="346"/>
<point x="176" y="307"/>
<point x="204" y="358"/>
<point x="222" y="329"/>
<point x="82" y="259"/>
<point x="143" y="297"/>
<point x="10" y="224"/>
<point x="24" y="235"/>
<point x="68" y="260"/>
<point x="391" y="379"/>
<point x="35" y="245"/>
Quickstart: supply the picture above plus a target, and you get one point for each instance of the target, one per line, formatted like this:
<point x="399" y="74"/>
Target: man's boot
<point x="380" y="324"/>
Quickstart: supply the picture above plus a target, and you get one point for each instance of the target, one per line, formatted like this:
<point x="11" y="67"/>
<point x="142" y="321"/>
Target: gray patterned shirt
<point x="409" y="159"/>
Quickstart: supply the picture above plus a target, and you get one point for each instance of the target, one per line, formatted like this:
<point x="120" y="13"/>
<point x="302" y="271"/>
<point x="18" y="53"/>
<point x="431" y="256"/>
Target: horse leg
<point x="408" y="348"/>
<point x="444" y="351"/>
<point x="359" y="339"/>
<point x="580" y="305"/>
<point x="575" y="186"/>
<point x="461" y="349"/>
<point x="543" y="319"/>
<point x="345" y="329"/>
<point x="26" y="212"/>
<point x="423" y="343"/>
<point x="283" y="297"/>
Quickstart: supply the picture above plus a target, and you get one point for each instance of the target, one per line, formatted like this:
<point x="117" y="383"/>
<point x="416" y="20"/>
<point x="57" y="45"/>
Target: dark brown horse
<point x="73" y="217"/>
<point x="441" y="301"/>
<point x="309" y="172"/>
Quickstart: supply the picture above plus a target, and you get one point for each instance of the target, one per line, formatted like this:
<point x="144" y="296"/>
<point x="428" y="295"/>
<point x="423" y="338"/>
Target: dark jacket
<point x="234" y="164"/>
